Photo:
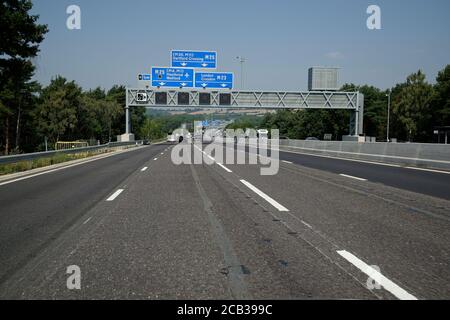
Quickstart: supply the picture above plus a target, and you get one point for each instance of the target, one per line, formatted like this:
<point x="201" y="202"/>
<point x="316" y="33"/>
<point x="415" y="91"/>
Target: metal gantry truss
<point x="179" y="99"/>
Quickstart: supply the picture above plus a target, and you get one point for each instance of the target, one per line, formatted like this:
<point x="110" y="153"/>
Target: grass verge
<point x="43" y="162"/>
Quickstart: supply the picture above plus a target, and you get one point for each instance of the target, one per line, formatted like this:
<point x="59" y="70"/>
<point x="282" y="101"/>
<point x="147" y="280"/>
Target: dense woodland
<point x="63" y="111"/>
<point x="417" y="107"/>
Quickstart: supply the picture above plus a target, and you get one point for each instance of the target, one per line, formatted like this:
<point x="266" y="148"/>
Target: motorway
<point x="140" y="227"/>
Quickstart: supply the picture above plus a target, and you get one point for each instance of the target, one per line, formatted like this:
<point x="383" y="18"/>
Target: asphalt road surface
<point x="140" y="227"/>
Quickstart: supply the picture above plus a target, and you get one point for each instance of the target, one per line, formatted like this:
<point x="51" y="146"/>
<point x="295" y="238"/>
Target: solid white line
<point x="162" y="153"/>
<point x="144" y="169"/>
<point x="352" y="177"/>
<point x="115" y="195"/>
<point x="338" y="158"/>
<point x="374" y="274"/>
<point x="369" y="154"/>
<point x="155" y="159"/>
<point x="89" y="219"/>
<point x="286" y="161"/>
<point x="264" y="196"/>
<point x="428" y="170"/>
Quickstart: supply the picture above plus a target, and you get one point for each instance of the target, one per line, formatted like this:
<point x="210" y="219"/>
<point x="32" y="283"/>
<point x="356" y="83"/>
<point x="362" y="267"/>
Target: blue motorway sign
<point x="194" y="59"/>
<point x="172" y="77"/>
<point x="214" y="80"/>
<point x="144" y="77"/>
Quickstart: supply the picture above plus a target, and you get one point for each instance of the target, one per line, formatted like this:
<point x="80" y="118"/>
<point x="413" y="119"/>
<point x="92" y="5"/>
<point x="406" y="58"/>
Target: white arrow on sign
<point x="204" y="64"/>
<point x="162" y="83"/>
<point x="184" y="64"/>
<point x="223" y="85"/>
<point x="183" y="84"/>
<point x="186" y="75"/>
<point x="204" y="85"/>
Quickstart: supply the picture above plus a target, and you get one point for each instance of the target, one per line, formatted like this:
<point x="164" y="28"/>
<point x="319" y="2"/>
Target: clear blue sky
<point x="280" y="39"/>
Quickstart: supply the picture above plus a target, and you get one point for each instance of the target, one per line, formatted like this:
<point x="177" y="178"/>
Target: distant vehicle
<point x="312" y="139"/>
<point x="208" y="136"/>
<point x="179" y="135"/>
<point x="171" y="138"/>
<point x="263" y="133"/>
<point x="146" y="142"/>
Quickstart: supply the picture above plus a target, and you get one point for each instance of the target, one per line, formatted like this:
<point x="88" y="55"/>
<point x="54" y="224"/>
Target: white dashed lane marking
<point x="352" y="177"/>
<point x="115" y="195"/>
<point x="387" y="284"/>
<point x="274" y="203"/>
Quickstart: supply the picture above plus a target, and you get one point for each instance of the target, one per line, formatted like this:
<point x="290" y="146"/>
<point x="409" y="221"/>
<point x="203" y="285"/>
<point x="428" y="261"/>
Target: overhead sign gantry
<point x="207" y="89"/>
<point x="181" y="99"/>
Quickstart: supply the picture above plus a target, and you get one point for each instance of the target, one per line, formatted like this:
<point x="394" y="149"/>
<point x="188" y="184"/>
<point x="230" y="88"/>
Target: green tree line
<point x="417" y="107"/>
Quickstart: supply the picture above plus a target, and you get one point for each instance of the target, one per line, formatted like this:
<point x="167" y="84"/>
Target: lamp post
<point x="241" y="61"/>
<point x="388" y="115"/>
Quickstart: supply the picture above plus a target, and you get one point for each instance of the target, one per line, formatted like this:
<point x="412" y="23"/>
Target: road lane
<point x="152" y="242"/>
<point x="405" y="233"/>
<point x="425" y="182"/>
<point x="35" y="211"/>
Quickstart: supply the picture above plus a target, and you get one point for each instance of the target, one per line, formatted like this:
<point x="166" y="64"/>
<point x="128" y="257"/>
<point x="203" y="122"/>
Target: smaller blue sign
<point x="144" y="77"/>
<point x="214" y="80"/>
<point x="194" y="59"/>
<point x="172" y="77"/>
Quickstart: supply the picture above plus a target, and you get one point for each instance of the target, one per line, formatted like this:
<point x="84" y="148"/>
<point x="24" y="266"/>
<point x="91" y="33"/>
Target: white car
<point x="171" y="138"/>
<point x="178" y="136"/>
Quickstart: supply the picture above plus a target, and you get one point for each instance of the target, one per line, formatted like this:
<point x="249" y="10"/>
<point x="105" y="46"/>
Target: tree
<point x="20" y="38"/>
<point x="301" y="124"/>
<point x="151" y="130"/>
<point x="441" y="98"/>
<point x="137" y="114"/>
<point x="19" y="31"/>
<point x="412" y="107"/>
<point x="57" y="116"/>
<point x="375" y="109"/>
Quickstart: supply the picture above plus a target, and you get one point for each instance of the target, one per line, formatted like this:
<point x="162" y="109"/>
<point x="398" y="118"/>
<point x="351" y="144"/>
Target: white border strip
<point x="382" y="280"/>
<point x="428" y="170"/>
<point x="366" y="154"/>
